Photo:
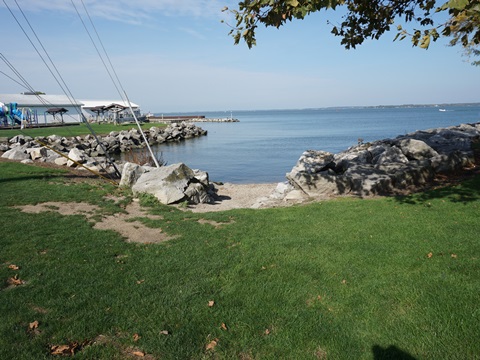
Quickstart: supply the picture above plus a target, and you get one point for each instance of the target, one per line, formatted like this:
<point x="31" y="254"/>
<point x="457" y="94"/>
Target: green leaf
<point x="293" y="3"/>
<point x="458" y="4"/>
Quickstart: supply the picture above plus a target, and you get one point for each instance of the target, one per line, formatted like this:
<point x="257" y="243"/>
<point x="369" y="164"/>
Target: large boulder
<point x="17" y="154"/>
<point x="416" y="149"/>
<point x="173" y="184"/>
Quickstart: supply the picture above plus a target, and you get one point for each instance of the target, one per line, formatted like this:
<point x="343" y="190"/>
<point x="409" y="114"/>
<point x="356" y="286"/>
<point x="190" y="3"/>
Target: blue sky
<point x="176" y="56"/>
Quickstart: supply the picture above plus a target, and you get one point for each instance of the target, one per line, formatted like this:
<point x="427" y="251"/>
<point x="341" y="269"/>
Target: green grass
<point x="70" y="131"/>
<point x="342" y="279"/>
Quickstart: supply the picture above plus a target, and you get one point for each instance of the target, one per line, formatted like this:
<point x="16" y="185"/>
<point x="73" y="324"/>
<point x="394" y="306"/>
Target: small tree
<point x="368" y="19"/>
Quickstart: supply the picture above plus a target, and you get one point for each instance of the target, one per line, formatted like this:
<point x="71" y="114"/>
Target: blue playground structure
<point x="11" y="115"/>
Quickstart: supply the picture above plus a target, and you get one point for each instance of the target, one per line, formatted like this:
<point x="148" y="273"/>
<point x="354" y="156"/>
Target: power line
<point x="96" y="48"/>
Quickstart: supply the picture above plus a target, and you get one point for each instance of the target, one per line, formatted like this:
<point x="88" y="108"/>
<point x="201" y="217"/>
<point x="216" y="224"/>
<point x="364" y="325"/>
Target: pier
<point x="187" y="118"/>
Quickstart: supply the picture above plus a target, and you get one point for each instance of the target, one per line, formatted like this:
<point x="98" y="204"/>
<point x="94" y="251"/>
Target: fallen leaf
<point x="429" y="255"/>
<point x="64" y="349"/>
<point x="164" y="332"/>
<point x="344" y="281"/>
<point x="211" y="303"/>
<point x="267" y="332"/>
<point x="13" y="267"/>
<point x="136" y="337"/>
<point x="454" y="256"/>
<point x="15" y="281"/>
<point x="33" y="325"/>
<point x="140" y="281"/>
<point x="211" y="345"/>
<point x="224" y="327"/>
<point x="138" y="353"/>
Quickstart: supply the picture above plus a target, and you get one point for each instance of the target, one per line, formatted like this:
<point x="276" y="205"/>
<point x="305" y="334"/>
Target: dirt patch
<point x="133" y="231"/>
<point x="214" y="223"/>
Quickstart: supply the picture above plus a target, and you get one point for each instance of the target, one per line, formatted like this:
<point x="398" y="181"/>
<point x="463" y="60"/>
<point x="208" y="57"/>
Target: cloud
<point x="137" y="11"/>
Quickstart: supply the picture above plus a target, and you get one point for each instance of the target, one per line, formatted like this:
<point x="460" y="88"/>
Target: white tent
<point x="40" y="104"/>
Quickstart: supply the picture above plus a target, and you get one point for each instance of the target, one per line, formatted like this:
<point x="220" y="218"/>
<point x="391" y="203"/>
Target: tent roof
<point x="90" y="104"/>
<point x="38" y="100"/>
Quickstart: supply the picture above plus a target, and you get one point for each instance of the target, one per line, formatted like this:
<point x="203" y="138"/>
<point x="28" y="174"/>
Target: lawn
<point x="75" y="130"/>
<point x="384" y="278"/>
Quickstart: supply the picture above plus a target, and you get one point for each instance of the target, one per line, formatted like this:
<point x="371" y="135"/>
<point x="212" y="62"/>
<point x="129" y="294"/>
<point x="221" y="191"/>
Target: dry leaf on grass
<point x="429" y="255"/>
<point x="140" y="282"/>
<point x="33" y="325"/>
<point x="62" y="350"/>
<point x="211" y="303"/>
<point x="223" y="327"/>
<point x="211" y="345"/>
<point x="138" y="353"/>
<point x="15" y="281"/>
<point x="454" y="256"/>
<point x="136" y="337"/>
<point x="267" y="332"/>
<point x="13" y="267"/>
<point x="164" y="332"/>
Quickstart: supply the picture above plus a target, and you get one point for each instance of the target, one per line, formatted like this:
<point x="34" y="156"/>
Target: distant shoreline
<point x="406" y="106"/>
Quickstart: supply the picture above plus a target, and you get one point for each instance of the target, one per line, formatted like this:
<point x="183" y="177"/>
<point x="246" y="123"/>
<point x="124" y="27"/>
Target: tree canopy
<point x="369" y="19"/>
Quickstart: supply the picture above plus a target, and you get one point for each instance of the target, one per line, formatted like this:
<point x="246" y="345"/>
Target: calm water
<point x="265" y="145"/>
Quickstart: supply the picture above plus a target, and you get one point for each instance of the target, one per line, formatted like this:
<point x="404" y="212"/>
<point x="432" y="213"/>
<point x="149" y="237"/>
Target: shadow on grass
<point x="465" y="192"/>
<point x="390" y="353"/>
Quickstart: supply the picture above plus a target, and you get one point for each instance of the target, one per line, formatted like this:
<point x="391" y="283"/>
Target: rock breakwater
<point x="87" y="150"/>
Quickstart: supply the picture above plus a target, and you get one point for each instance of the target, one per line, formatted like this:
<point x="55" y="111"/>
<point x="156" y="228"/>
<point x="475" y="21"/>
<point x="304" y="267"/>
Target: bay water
<point x="265" y="144"/>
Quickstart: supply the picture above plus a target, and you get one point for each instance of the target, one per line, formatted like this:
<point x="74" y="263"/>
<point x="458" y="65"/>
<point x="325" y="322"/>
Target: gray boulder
<point x="172" y="184"/>
<point x="416" y="149"/>
<point x="76" y="156"/>
<point x="16" y="154"/>
<point x="130" y="174"/>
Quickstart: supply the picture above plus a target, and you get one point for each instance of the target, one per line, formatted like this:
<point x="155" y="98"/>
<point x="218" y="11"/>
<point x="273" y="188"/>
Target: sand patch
<point x="133" y="231"/>
<point x="237" y="196"/>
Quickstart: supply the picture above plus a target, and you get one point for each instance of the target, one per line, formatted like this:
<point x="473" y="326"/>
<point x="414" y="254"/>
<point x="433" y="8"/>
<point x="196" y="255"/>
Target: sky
<point x="177" y="56"/>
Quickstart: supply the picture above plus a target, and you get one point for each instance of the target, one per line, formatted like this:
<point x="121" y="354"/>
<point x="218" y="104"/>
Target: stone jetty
<point x="86" y="149"/>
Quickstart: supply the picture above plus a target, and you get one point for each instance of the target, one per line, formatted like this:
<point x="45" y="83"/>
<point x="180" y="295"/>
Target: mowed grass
<point x="380" y="278"/>
<point x="76" y="130"/>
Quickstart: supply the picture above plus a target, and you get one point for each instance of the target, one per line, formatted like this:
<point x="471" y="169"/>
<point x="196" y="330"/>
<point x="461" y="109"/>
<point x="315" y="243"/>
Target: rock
<point x="75" y="156"/>
<point x="61" y="161"/>
<point x="385" y="166"/>
<point x="392" y="154"/>
<point x="416" y="149"/>
<point x="16" y="154"/>
<point x="282" y="190"/>
<point x="38" y="153"/>
<point x="172" y="184"/>
<point x="130" y="174"/>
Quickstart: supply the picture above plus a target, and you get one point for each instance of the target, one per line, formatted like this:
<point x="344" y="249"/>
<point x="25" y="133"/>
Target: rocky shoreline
<point x="89" y="152"/>
<point x="400" y="165"/>
<point x="386" y="167"/>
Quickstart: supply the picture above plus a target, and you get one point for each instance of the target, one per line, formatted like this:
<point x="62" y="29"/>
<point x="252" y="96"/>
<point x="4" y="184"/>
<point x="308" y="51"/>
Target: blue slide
<point x="3" y="114"/>
<point x="16" y="113"/>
